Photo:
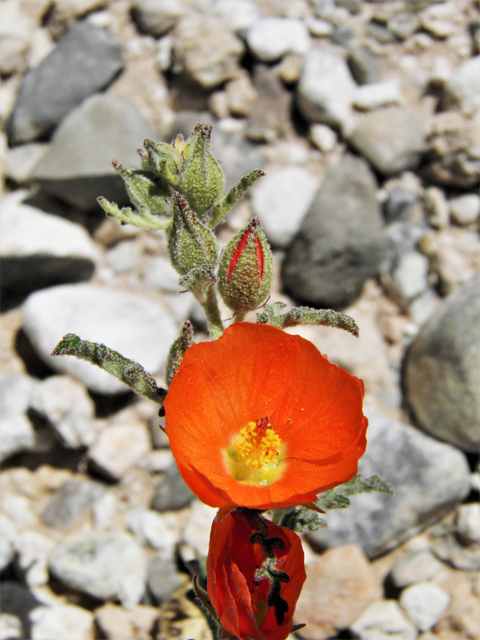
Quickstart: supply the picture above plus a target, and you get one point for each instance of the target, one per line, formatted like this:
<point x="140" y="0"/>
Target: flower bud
<point x="202" y="179"/>
<point x="191" y="244"/>
<point x="246" y="269"/>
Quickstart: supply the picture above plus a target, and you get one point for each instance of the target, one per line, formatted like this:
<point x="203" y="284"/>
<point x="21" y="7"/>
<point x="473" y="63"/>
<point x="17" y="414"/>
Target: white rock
<point x="33" y="549"/>
<point x="159" y="530"/>
<point x="326" y="89"/>
<point x="123" y="257"/>
<point x="239" y="15"/>
<point x="424" y="603"/>
<point x="464" y="85"/>
<point x="197" y="530"/>
<point x="281" y="201"/>
<point x="467" y="522"/>
<point x="61" y="621"/>
<point x="139" y="329"/>
<point x="17" y="431"/>
<point x="381" y="620"/>
<point x="323" y="137"/>
<point x="465" y="209"/>
<point x="7" y="537"/>
<point x="160" y="274"/>
<point x="118" y="448"/>
<point x="10" y="627"/>
<point x="377" y="94"/>
<point x="410" y="277"/>
<point x="272" y="38"/>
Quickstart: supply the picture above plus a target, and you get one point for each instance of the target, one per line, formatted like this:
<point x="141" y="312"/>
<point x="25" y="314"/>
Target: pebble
<point x="10" y="627"/>
<point x="160" y="531"/>
<point x="125" y="322"/>
<point x="157" y="17"/>
<point x="117" y="624"/>
<point x="197" y="529"/>
<point x="418" y="566"/>
<point x="467" y="523"/>
<point x="172" y="493"/>
<point x="21" y="160"/>
<point x="464" y="85"/>
<point x="118" y="448"/>
<point x="123" y="257"/>
<point x="70" y="501"/>
<point x="163" y="577"/>
<point x="78" y="167"/>
<point x="326" y="89"/>
<point x="465" y="209"/>
<point x="281" y="201"/>
<point x="33" y="549"/>
<point x="424" y="604"/>
<point x="323" y="137"/>
<point x="240" y="15"/>
<point x="61" y="621"/>
<point x="363" y="65"/>
<point x="379" y="94"/>
<point x="441" y="371"/>
<point x="7" y="537"/>
<point x="408" y="278"/>
<point x="160" y="274"/>
<point x="436" y="207"/>
<point x="391" y="138"/>
<point x="38" y="249"/>
<point x="91" y="565"/>
<point x="339" y="586"/>
<point x="17" y="429"/>
<point x="383" y="620"/>
<point x="270" y="39"/>
<point x="326" y="265"/>
<point x="15" y="34"/>
<point x="86" y="58"/>
<point x="269" y="117"/>
<point x="422" y="491"/>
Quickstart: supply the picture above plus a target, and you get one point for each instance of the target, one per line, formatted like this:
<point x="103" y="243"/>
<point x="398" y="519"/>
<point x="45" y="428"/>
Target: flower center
<point x="256" y="455"/>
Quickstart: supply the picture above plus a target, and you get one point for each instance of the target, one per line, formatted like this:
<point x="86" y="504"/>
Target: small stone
<point x="92" y="566"/>
<point x="61" y="621"/>
<point x="409" y="277"/>
<point x="7" y="537"/>
<point x="239" y="15"/>
<point x="160" y="274"/>
<point x="70" y="501"/>
<point x="160" y="531"/>
<point x="33" y="549"/>
<point x="436" y="207"/>
<point x="467" y="523"/>
<point x="156" y="17"/>
<point x="118" y="448"/>
<point x="17" y="430"/>
<point x="15" y="34"/>
<point x="172" y="493"/>
<point x="281" y="201"/>
<point x="197" y="529"/>
<point x="403" y="25"/>
<point x="379" y="94"/>
<point x="241" y="95"/>
<point x="465" y="209"/>
<point x="439" y="19"/>
<point x="86" y="58"/>
<point x="424" y="604"/>
<point x="270" y="39"/>
<point x="10" y="627"/>
<point x="363" y="65"/>
<point x="123" y="257"/>
<point x="464" y="85"/>
<point x="269" y="117"/>
<point x="339" y="586"/>
<point x="323" y="137"/>
<point x="21" y="160"/>
<point x="319" y="28"/>
<point x="117" y="624"/>
<point x="383" y="620"/>
<point x="415" y="567"/>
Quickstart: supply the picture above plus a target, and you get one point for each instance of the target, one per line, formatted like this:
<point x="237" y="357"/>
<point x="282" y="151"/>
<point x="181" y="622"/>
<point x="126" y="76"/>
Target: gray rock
<point x="86" y="59"/>
<point x="465" y="209"/>
<point x="160" y="531"/>
<point x="326" y="89"/>
<point x="414" y="465"/>
<point x="123" y="257"/>
<point x="415" y="567"/>
<point x="78" y="167"/>
<point x="379" y="31"/>
<point x="408" y="278"/>
<point x="206" y="51"/>
<point x="172" y="493"/>
<point x="18" y="601"/>
<point x="340" y="243"/>
<point x="403" y="25"/>
<point x="392" y="139"/>
<point x="383" y="620"/>
<point x="92" y="566"/>
<point x="400" y="204"/>
<point x="156" y="17"/>
<point x="281" y="201"/>
<point x="61" y="621"/>
<point x="69" y="410"/>
<point x="39" y="250"/>
<point x="137" y="328"/>
<point x="464" y="85"/>
<point x="163" y="577"/>
<point x="160" y="274"/>
<point x="424" y="604"/>
<point x="71" y="499"/>
<point x="442" y="373"/>
<point x="270" y="39"/>
<point x="20" y="161"/>
<point x="17" y="430"/>
<point x="363" y="65"/>
<point x="450" y="550"/>
<point x="269" y="118"/>
<point x="118" y="448"/>
<point x="239" y="15"/>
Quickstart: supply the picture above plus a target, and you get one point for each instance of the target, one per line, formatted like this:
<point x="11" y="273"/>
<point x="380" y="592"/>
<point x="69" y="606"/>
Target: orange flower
<point x="261" y="419"/>
<point x="255" y="572"/>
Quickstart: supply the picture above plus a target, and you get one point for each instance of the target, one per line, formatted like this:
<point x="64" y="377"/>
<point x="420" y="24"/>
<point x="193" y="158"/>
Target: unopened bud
<point x="246" y="269"/>
<point x="191" y="244"/>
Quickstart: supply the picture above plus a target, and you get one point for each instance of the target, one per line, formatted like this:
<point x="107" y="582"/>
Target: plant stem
<point x="212" y="312"/>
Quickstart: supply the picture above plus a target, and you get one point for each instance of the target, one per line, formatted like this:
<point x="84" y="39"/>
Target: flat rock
<point x="442" y="375"/>
<point x="78" y="167"/>
<point x="464" y="85"/>
<point x="326" y="89"/>
<point x="138" y="328"/>
<point x="339" y="585"/>
<point x="116" y="623"/>
<point x="160" y="531"/>
<point x="424" y="604"/>
<point x="269" y="116"/>
<point x="340" y="242"/>
<point x="92" y="566"/>
<point x="86" y="58"/>
<point x="239" y="15"/>
<point x="271" y="38"/>
<point x="384" y="620"/>
<point x="17" y="429"/>
<point x="38" y="250"/>
<point x="281" y="200"/>
<point x="70" y="501"/>
<point x="392" y="139"/>
<point x="172" y="492"/>
<point x="414" y="465"/>
<point x="418" y="566"/>
<point x="118" y="448"/>
<point x="61" y="621"/>
<point x="156" y="17"/>
<point x="163" y="577"/>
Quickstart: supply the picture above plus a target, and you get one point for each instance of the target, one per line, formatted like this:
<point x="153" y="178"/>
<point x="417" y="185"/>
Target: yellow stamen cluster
<point x="257" y="445"/>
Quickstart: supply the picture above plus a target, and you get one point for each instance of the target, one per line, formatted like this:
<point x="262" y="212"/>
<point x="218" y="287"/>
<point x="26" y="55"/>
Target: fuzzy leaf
<point x="337" y="498"/>
<point x="142" y="218"/>
<point x="306" y="315"/>
<point x="300" y="519"/>
<point x="223" y="205"/>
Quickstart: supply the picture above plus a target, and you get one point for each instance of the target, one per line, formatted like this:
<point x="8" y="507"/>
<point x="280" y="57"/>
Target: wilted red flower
<point x="255" y="572"/>
<point x="261" y="419"/>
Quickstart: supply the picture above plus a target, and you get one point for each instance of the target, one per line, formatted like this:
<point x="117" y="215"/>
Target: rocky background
<point x="366" y="118"/>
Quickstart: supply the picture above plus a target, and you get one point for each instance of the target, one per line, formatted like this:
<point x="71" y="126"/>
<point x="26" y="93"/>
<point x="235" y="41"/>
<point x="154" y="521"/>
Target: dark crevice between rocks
<point x="34" y="366"/>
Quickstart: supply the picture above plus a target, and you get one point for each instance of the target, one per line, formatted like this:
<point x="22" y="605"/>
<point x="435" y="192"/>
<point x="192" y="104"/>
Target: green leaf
<point x="337" y="498"/>
<point x="223" y="205"/>
<point x="128" y="371"/>
<point x="178" y="350"/>
<point x="142" y="218"/>
<point x="299" y="519"/>
<point x="306" y="315"/>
